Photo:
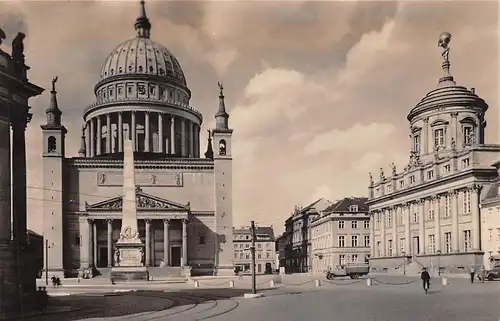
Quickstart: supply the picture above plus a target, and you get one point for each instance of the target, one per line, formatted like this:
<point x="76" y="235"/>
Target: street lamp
<point x="439" y="261"/>
<point x="404" y="262"/>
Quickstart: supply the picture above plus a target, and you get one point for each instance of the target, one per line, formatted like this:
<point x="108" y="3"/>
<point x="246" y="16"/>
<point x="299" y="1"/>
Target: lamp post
<point x="439" y="261"/>
<point x="404" y="262"/>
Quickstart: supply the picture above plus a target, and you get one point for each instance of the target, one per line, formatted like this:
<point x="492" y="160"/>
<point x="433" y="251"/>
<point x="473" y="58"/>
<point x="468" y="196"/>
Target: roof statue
<point x="382" y="176"/>
<point x="393" y="167"/>
<point x="54" y="80"/>
<point x="221" y="88"/>
<point x="371" y="178"/>
<point x="2" y="35"/>
<point x="18" y="48"/>
<point x="444" y="42"/>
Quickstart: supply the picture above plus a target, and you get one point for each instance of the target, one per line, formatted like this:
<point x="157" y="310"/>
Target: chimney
<point x="473" y="90"/>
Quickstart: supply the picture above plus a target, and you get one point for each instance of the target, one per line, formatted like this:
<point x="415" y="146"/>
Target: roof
<point x="344" y="204"/>
<point x="492" y="194"/>
<point x="261" y="230"/>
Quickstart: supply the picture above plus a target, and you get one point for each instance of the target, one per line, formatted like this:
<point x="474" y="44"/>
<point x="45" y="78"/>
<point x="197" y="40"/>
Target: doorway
<point x="416" y="246"/>
<point x="175" y="256"/>
<point x="102" y="259"/>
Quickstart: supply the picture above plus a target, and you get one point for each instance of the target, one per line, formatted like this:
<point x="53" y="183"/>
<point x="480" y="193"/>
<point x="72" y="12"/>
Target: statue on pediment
<point x="177" y="179"/>
<point x="18" y="48"/>
<point x="102" y="178"/>
<point x="154" y="179"/>
<point x="393" y="167"/>
<point x="371" y="178"/>
<point x="444" y="42"/>
<point x="453" y="144"/>
<point x="117" y="257"/>
<point x="382" y="175"/>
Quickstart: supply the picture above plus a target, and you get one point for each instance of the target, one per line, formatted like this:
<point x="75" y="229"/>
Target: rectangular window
<point x="341" y="241"/>
<point x="268" y="255"/>
<point x="402" y="244"/>
<point x="389" y="220"/>
<point x="412" y="179"/>
<point x="354" y="224"/>
<point x="259" y="245"/>
<point x="354" y="258"/>
<point x="341" y="224"/>
<point x="401" y="217"/>
<point x="78" y="240"/>
<point x="366" y="224"/>
<point x="430" y="175"/>
<point x="446" y="206"/>
<point x="366" y="240"/>
<point x="432" y="245"/>
<point x="389" y="247"/>
<point x="341" y="259"/>
<point x="235" y="246"/>
<point x="259" y="256"/>
<point x="415" y="217"/>
<point x="235" y="255"/>
<point x="447" y="242"/>
<point x="467" y="202"/>
<point x="439" y="137"/>
<point x="353" y="208"/>
<point x="378" y="249"/>
<point x="467" y="241"/>
<point x="465" y="163"/>
<point x="202" y="239"/>
<point x="354" y="241"/>
<point x="431" y="214"/>
<point x="247" y="256"/>
<point x="490" y="234"/>
<point x="401" y="183"/>
<point x="416" y="143"/>
<point x="467" y="131"/>
<point x="446" y="169"/>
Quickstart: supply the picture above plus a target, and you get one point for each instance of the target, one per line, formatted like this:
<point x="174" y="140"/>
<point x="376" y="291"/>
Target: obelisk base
<point x="128" y="263"/>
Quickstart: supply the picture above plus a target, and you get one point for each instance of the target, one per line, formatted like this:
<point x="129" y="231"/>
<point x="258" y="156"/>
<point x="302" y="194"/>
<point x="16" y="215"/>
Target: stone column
<point x="161" y="141"/>
<point x="91" y="242"/>
<point x="99" y="136"/>
<point x="407" y="218"/>
<point x="120" y="132"/>
<point x="183" y="138"/>
<point x="454" y="128"/>
<point x="382" y="233"/>
<point x="421" y="228"/>
<point x="393" y="214"/>
<point x="172" y="135"/>
<point x="133" y="131"/>
<point x="372" y="235"/>
<point x="19" y="210"/>
<point x="92" y="137"/>
<point x="94" y="234"/>
<point x="191" y="139"/>
<point x="166" y="242"/>
<point x="108" y="133"/>
<point x="148" y="242"/>
<point x="146" y="132"/>
<point x="455" y="234"/>
<point x="424" y="140"/>
<point x="5" y="180"/>
<point x="437" y="222"/>
<point x="110" y="243"/>
<point x="475" y="210"/>
<point x="197" y="141"/>
<point x="88" y="140"/>
<point x="184" y="242"/>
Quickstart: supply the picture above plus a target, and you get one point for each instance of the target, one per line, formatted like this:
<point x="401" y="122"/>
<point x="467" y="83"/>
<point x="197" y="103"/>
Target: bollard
<point x="444" y="280"/>
<point x="231" y="283"/>
<point x="196" y="284"/>
<point x="271" y="284"/>
<point x="369" y="282"/>
<point x="318" y="282"/>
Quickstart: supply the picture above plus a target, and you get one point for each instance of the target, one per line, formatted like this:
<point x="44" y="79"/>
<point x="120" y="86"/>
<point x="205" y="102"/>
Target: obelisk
<point x="129" y="252"/>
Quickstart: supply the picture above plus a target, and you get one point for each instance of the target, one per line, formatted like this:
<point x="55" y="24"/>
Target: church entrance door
<point x="175" y="256"/>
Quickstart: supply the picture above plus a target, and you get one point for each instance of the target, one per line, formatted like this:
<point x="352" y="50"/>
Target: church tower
<point x="223" y="171"/>
<point x="53" y="135"/>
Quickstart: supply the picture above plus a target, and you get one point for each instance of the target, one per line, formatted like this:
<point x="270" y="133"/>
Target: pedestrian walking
<point x="472" y="272"/>
<point x="482" y="273"/>
<point x="425" y="276"/>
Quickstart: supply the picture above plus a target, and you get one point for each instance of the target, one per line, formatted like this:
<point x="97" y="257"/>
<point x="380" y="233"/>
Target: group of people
<point x="56" y="281"/>
<point x="426" y="277"/>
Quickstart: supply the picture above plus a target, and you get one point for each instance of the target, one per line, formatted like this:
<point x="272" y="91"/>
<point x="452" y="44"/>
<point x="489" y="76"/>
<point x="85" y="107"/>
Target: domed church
<point x="184" y="201"/>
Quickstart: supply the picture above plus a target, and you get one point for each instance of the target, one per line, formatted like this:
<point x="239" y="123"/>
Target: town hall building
<point x="184" y="200"/>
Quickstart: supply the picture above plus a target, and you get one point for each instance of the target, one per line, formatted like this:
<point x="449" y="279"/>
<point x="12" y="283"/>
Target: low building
<point x="36" y="248"/>
<point x="429" y="213"/>
<point x="341" y="234"/>
<point x="265" y="254"/>
<point x="490" y="224"/>
<point x="298" y="228"/>
<point x="281" y="242"/>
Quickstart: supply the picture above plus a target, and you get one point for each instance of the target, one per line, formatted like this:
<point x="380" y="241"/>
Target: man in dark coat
<point x="425" y="279"/>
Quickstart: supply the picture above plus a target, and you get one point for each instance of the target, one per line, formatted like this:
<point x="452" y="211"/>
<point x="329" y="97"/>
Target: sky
<point x="317" y="92"/>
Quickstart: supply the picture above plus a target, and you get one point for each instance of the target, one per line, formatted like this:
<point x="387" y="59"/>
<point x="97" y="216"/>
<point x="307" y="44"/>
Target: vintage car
<point x="493" y="274"/>
<point x="354" y="271"/>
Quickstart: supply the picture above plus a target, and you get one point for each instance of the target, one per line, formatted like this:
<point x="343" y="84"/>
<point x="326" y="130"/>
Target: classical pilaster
<point x="108" y="133"/>
<point x="110" y="243"/>
<point x="148" y="242"/>
<point x="183" y="138"/>
<point x="425" y="137"/>
<point x="475" y="210"/>
<point x="407" y="218"/>
<point x="19" y="209"/>
<point x="87" y="140"/>
<point x="92" y="137"/>
<point x="197" y="139"/>
<point x="90" y="223"/>
<point x="382" y="234"/>
<point x="133" y="131"/>
<point x="394" y="226"/>
<point x="99" y="136"/>
<point x="172" y="135"/>
<point x="147" y="130"/>
<point x="421" y="228"/>
<point x="161" y="140"/>
<point x="166" y="242"/>
<point x="120" y="132"/>
<point x="454" y="129"/>
<point x="184" y="242"/>
<point x="437" y="222"/>
<point x="191" y="138"/>
<point x="94" y="234"/>
<point x="455" y="234"/>
<point x="372" y="235"/>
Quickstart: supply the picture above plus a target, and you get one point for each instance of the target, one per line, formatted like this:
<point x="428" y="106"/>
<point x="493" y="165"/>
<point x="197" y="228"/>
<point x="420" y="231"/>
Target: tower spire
<point x="53" y="112"/>
<point x="142" y="24"/>
<point x="447" y="78"/>
<point x="210" y="152"/>
<point x="221" y="117"/>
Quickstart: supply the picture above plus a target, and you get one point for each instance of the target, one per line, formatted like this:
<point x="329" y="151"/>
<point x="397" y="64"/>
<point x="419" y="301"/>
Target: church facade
<point x="184" y="201"/>
<point x="429" y="214"/>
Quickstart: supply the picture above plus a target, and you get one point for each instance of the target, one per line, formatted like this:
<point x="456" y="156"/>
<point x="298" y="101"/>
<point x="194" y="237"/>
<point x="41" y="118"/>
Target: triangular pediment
<point x="144" y="202"/>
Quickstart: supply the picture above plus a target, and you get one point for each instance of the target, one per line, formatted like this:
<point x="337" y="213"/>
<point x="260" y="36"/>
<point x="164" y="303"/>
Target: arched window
<point x="51" y="144"/>
<point x="222" y="147"/>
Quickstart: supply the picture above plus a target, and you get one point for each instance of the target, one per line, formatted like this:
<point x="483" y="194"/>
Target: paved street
<point x="389" y="298"/>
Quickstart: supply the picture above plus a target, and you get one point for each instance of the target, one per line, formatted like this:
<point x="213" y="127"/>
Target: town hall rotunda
<point x="184" y="201"/>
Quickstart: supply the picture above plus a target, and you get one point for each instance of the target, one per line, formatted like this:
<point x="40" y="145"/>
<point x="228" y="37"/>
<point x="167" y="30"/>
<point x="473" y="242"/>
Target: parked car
<point x="493" y="274"/>
<point x="354" y="271"/>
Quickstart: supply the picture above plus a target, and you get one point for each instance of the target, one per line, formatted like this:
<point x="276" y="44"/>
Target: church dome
<point x="142" y="56"/>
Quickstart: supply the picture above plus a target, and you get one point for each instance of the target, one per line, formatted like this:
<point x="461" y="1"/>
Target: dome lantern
<point x="142" y="24"/>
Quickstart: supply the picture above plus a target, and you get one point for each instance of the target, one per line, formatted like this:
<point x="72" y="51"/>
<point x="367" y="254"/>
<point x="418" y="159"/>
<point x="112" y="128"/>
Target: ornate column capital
<point x="184" y="221"/>
<point x="426" y="119"/>
<point x="476" y="188"/>
<point x="454" y="114"/>
<point x="166" y="221"/>
<point x="454" y="193"/>
<point x="20" y="119"/>
<point x="147" y="220"/>
<point x="405" y="204"/>
<point x="110" y="221"/>
<point x="90" y="220"/>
